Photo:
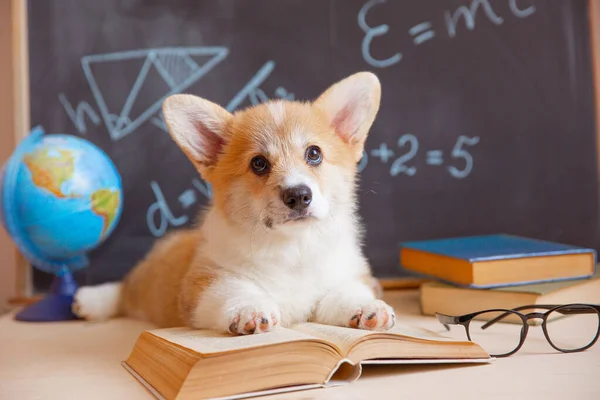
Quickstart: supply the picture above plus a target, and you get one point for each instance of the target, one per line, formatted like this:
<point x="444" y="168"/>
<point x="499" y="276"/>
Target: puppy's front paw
<point x="252" y="320"/>
<point x="97" y="303"/>
<point x="376" y="315"/>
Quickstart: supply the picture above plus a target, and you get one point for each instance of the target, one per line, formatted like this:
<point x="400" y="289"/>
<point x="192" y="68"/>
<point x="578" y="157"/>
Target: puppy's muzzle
<point x="297" y="198"/>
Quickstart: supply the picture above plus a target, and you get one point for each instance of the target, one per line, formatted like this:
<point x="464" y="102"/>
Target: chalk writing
<point x="250" y="88"/>
<point x="398" y="166"/>
<point x="408" y="145"/>
<point x="371" y="33"/>
<point x="282" y="93"/>
<point x="383" y="153"/>
<point x="119" y="121"/>
<point x="468" y="14"/>
<point x="459" y="152"/>
<point x="362" y="164"/>
<point x="187" y="198"/>
<point x="423" y="31"/>
<point x="435" y="157"/>
<point x="519" y="12"/>
<point x="77" y="117"/>
<point x="159" y="215"/>
<point x="165" y="216"/>
<point x="176" y="67"/>
<point x="254" y="93"/>
<point x="178" y="70"/>
<point x="203" y="187"/>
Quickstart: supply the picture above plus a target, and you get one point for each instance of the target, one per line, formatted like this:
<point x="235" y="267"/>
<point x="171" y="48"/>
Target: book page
<point x="419" y="333"/>
<point x="344" y="338"/>
<point x="211" y="342"/>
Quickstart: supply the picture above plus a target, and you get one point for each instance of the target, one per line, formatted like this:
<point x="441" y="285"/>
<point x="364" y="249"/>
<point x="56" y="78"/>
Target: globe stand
<point x="56" y="305"/>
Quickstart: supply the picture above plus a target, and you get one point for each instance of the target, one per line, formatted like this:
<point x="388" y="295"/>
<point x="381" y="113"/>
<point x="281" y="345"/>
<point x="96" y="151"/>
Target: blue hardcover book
<point x="488" y="261"/>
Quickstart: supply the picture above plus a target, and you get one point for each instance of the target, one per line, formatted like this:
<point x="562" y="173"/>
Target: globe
<point x="60" y="197"/>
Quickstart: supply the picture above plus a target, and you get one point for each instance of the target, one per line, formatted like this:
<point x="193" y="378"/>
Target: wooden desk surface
<point x="81" y="360"/>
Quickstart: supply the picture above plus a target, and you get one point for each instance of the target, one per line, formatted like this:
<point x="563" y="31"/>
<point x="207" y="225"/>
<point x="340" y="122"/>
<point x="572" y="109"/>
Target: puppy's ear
<point x="350" y="107"/>
<point x="198" y="126"/>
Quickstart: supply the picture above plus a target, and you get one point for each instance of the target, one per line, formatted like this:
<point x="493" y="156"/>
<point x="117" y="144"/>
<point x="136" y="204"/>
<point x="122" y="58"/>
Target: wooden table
<point x="81" y="360"/>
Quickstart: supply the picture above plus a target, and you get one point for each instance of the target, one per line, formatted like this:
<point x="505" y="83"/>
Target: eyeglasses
<point x="568" y="328"/>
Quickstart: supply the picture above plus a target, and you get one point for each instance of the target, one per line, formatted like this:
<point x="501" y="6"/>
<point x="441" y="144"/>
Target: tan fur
<point x="152" y="290"/>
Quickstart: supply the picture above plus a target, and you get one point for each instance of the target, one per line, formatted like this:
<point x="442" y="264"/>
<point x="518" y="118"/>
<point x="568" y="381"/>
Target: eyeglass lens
<point x="499" y="338"/>
<point x="574" y="328"/>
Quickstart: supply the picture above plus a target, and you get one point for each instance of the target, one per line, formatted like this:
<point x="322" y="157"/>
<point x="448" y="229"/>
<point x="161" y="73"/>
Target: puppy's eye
<point x="259" y="165"/>
<point x="313" y="155"/>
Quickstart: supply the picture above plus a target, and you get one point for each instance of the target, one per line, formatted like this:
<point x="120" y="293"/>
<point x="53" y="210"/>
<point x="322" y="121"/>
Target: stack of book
<point x="468" y="274"/>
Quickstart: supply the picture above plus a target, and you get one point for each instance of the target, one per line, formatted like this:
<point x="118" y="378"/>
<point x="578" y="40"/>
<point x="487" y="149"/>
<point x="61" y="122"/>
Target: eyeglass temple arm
<point x="447" y="320"/>
<point x="579" y="309"/>
<point x="574" y="309"/>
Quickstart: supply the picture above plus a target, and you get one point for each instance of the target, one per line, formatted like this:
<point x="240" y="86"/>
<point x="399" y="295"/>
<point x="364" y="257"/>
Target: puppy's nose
<point x="297" y="197"/>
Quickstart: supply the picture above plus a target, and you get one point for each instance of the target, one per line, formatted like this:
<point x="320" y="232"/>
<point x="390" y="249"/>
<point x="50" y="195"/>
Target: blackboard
<point x="486" y="121"/>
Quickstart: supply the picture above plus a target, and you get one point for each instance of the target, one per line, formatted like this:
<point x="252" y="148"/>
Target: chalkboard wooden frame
<point x="7" y="143"/>
<point x="14" y="267"/>
<point x="20" y="109"/>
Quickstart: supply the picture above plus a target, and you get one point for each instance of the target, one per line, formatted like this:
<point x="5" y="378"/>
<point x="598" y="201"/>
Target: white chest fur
<point x="296" y="269"/>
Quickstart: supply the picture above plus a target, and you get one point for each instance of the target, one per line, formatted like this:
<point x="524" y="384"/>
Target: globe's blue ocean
<point x="63" y="232"/>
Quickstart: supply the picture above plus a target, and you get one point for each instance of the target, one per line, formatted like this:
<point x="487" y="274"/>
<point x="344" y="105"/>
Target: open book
<point x="184" y="363"/>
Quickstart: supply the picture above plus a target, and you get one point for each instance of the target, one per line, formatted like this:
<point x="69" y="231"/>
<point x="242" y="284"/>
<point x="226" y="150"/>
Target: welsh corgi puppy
<point x="280" y="242"/>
